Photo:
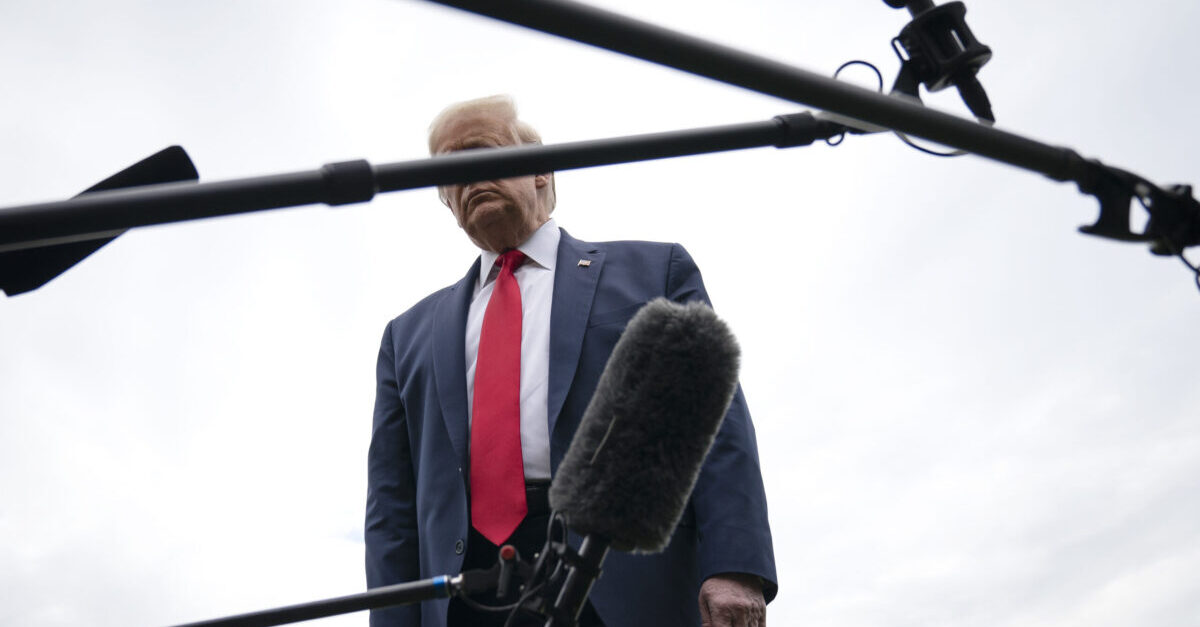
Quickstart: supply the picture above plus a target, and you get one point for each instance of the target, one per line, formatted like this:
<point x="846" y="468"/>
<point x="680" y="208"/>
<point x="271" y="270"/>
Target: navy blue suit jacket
<point x="417" y="518"/>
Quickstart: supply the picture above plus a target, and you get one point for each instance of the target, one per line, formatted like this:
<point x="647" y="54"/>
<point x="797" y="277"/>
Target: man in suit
<point x="462" y="448"/>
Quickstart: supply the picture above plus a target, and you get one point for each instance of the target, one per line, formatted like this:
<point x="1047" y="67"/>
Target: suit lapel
<point x="574" y="289"/>
<point x="450" y="362"/>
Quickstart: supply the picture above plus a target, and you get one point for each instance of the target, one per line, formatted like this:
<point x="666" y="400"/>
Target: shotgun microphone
<point x="627" y="476"/>
<point x="26" y="269"/>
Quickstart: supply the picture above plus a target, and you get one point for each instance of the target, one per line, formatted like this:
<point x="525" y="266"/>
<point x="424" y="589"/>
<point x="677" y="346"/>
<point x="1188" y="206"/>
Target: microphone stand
<point x="104" y="214"/>
<point x="583" y="570"/>
<point x="399" y="594"/>
<point x="560" y="572"/>
<point x="1175" y="214"/>
<point x="499" y="577"/>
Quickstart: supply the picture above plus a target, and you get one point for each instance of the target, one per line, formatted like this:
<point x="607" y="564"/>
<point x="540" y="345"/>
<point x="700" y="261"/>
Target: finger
<point x="733" y="616"/>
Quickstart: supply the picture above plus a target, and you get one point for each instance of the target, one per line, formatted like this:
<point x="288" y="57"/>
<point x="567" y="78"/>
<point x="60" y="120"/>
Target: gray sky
<point x="968" y="413"/>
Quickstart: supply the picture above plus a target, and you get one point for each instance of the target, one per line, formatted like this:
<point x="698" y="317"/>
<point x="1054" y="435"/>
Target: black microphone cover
<point x="28" y="269"/>
<point x="658" y="405"/>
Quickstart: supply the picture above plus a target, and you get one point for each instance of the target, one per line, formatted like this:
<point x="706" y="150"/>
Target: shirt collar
<point x="541" y="248"/>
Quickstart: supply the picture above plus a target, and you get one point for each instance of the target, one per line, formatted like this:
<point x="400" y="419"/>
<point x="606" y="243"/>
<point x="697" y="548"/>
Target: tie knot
<point x="511" y="259"/>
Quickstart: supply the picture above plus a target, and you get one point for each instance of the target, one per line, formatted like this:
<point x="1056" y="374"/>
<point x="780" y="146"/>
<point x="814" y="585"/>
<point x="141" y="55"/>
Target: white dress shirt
<point x="536" y="280"/>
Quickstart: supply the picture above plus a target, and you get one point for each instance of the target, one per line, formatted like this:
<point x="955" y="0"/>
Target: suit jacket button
<point x="458" y="547"/>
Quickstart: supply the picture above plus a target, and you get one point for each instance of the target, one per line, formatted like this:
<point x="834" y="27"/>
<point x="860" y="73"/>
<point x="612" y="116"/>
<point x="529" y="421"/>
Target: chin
<point x="493" y="239"/>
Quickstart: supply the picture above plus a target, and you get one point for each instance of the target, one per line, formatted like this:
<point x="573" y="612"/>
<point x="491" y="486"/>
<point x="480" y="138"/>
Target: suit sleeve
<point x="729" y="501"/>
<point x="390" y="530"/>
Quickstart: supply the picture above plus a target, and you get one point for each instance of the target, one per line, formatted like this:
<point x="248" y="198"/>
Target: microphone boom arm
<point x="1175" y="217"/>
<point x="387" y="596"/>
<point x="106" y="213"/>
<point x="1175" y="214"/>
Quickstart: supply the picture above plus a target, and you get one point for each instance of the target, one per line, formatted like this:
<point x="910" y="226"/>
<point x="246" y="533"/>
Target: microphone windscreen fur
<point x="658" y="405"/>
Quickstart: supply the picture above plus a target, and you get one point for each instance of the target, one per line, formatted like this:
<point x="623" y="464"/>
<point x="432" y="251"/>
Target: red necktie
<point x="497" y="471"/>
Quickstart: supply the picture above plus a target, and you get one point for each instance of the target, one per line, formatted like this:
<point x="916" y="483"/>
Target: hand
<point x="732" y="600"/>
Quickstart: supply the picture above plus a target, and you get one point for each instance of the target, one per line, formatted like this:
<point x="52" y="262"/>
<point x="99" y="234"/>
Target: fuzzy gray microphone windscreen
<point x="637" y="453"/>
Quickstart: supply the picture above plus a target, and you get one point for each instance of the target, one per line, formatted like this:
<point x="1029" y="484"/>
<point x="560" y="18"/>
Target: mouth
<point x="476" y="197"/>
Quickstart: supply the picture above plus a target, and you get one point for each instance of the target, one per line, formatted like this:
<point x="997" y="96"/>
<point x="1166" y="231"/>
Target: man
<point x="450" y="477"/>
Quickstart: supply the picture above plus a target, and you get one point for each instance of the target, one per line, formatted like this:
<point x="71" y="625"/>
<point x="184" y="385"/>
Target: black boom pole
<point x="649" y="42"/>
<point x="1175" y="215"/>
<point x="106" y="213"/>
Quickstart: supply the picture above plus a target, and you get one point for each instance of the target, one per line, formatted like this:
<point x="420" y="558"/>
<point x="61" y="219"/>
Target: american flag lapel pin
<point x="583" y="263"/>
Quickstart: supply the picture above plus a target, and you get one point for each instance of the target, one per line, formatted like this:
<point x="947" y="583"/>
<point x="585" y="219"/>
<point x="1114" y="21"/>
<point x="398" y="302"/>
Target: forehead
<point x="474" y="130"/>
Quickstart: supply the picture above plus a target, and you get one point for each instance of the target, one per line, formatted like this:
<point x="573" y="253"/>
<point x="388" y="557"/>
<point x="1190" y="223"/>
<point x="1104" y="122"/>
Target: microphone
<point x="624" y="481"/>
<point x="627" y="476"/>
<point x="26" y="269"/>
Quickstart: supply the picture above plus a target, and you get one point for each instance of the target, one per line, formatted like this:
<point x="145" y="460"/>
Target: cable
<point x="953" y="153"/>
<point x="878" y="74"/>
<point x="837" y="139"/>
<point x="527" y="595"/>
<point x="556" y="533"/>
<point x="472" y="603"/>
<point x="840" y="137"/>
<point x="904" y="138"/>
<point x="1142" y="200"/>
<point x="1193" y="268"/>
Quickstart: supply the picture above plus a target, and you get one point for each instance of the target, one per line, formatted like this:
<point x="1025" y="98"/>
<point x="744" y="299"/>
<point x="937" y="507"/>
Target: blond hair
<point x="501" y="106"/>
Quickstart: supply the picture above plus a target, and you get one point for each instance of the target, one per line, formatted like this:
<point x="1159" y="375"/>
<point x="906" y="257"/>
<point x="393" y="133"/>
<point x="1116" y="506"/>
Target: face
<point x="496" y="215"/>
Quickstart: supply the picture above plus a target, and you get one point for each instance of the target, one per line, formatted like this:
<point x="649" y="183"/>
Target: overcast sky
<point x="968" y="413"/>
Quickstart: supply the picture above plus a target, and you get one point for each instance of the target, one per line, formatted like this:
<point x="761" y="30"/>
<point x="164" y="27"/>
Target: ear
<point x="541" y="180"/>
